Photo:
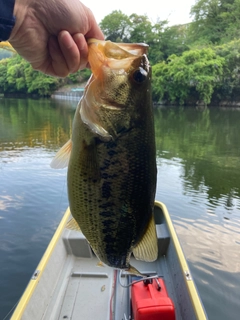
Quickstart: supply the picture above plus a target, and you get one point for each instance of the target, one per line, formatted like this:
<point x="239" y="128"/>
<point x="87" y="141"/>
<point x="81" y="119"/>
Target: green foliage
<point x="229" y="88"/>
<point x="173" y="40"/>
<point x="199" y="61"/>
<point x="115" y="26"/>
<point x="215" y="21"/>
<point x="140" y="29"/>
<point x="162" y="40"/>
<point x="38" y="83"/>
<point x="17" y="76"/>
<point x="3" y="75"/>
<point x="79" y="76"/>
<point x="195" y="73"/>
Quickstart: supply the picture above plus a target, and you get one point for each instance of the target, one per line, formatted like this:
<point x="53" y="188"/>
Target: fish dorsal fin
<point x="147" y="248"/>
<point x="61" y="159"/>
<point x="73" y="225"/>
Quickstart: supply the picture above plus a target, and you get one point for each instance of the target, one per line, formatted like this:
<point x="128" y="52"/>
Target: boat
<point x="70" y="283"/>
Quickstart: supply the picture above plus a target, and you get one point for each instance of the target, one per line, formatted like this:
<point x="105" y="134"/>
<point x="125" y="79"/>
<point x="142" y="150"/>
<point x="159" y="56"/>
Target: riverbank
<point x="75" y="92"/>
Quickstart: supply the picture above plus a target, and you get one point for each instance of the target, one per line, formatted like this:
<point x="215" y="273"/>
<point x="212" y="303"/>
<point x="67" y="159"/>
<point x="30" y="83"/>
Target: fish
<point x="111" y="156"/>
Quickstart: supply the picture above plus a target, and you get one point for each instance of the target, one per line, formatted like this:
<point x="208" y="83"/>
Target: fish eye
<point x="139" y="75"/>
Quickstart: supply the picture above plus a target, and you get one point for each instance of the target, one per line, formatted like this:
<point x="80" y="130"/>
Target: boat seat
<point x="163" y="239"/>
<point x="76" y="243"/>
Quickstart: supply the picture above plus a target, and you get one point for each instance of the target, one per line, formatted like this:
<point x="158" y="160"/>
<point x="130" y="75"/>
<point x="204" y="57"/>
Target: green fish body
<point x="112" y="165"/>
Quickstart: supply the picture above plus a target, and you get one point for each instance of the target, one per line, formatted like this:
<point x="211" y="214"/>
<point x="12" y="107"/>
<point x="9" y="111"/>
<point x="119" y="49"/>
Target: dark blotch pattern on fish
<point x="106" y="189"/>
<point x="112" y="182"/>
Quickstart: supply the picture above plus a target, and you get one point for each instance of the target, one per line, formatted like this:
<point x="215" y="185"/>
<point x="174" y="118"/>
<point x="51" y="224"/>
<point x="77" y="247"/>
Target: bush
<point x="195" y="73"/>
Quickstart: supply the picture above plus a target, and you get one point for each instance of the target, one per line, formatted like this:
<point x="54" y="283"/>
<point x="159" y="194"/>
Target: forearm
<point x="7" y="20"/>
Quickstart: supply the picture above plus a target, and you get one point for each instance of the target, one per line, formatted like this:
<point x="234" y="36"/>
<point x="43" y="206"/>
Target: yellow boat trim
<point x="196" y="303"/>
<point x="7" y="46"/>
<point x="40" y="268"/>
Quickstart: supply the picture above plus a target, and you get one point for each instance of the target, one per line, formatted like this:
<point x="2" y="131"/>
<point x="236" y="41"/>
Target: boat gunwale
<point x="191" y="287"/>
<point x="195" y="299"/>
<point x="22" y="304"/>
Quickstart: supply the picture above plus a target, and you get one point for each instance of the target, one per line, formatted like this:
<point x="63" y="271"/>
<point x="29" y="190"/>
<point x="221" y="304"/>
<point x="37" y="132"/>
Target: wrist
<point x="21" y="8"/>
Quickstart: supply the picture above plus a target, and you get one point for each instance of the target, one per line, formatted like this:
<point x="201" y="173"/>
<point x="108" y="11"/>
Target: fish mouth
<point x="112" y="50"/>
<point x="116" y="68"/>
<point x="116" y="56"/>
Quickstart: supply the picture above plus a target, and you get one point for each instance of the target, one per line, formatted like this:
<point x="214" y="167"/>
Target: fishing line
<point x="59" y="203"/>
<point x="10" y="310"/>
<point x="63" y="187"/>
<point x="136" y="281"/>
<point x="113" y="291"/>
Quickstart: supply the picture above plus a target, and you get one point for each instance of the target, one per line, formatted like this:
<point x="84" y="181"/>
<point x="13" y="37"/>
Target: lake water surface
<point x="198" y="157"/>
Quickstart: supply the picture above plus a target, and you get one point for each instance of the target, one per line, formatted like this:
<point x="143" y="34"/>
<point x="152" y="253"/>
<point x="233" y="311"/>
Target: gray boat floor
<point x="75" y="286"/>
<point x="85" y="290"/>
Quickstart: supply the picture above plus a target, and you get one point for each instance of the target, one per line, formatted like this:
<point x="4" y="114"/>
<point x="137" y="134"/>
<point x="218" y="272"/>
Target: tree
<point x="162" y="40"/>
<point x="116" y="26"/>
<point x="141" y="28"/>
<point x="207" y="24"/>
<point x="15" y="74"/>
<point x="39" y="83"/>
<point x="196" y="73"/>
<point x="215" y="21"/>
<point x="173" y="40"/>
<point x="229" y="88"/>
<point x="3" y="75"/>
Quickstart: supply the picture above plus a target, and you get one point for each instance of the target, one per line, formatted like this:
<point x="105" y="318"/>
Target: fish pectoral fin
<point x="73" y="225"/>
<point x="90" y="117"/>
<point x="62" y="157"/>
<point x="147" y="248"/>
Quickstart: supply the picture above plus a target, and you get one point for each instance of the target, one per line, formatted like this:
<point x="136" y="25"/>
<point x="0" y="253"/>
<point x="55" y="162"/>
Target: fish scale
<point x="112" y="165"/>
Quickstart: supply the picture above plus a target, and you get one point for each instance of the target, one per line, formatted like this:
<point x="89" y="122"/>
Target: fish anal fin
<point x="61" y="159"/>
<point x="147" y="248"/>
<point x="73" y="225"/>
<point x="134" y="271"/>
<point x="100" y="264"/>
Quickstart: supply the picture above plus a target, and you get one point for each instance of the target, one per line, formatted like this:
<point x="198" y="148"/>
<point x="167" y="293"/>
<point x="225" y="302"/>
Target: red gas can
<point x="150" y="301"/>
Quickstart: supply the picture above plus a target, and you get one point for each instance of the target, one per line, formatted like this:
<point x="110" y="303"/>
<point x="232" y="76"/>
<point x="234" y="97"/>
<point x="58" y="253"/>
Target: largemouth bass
<point x="111" y="156"/>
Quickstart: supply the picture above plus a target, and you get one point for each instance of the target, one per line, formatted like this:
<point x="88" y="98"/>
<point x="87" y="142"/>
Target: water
<point x="198" y="153"/>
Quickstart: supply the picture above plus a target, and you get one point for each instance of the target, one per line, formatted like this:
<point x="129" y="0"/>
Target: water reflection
<point x="208" y="144"/>
<point x="211" y="242"/>
<point x="34" y="123"/>
<point x="198" y="179"/>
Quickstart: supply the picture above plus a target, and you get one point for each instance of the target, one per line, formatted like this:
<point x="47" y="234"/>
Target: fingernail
<point x="80" y="40"/>
<point x="66" y="39"/>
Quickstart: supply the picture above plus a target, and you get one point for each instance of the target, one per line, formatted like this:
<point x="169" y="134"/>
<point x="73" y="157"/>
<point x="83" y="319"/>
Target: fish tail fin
<point x="147" y="248"/>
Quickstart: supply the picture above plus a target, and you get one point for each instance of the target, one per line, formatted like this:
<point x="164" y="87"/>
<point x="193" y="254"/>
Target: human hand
<point x="52" y="34"/>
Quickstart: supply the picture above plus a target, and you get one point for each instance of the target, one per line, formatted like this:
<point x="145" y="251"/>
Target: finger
<point x="57" y="65"/>
<point x="83" y="48"/>
<point x="69" y="50"/>
<point x="93" y="31"/>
